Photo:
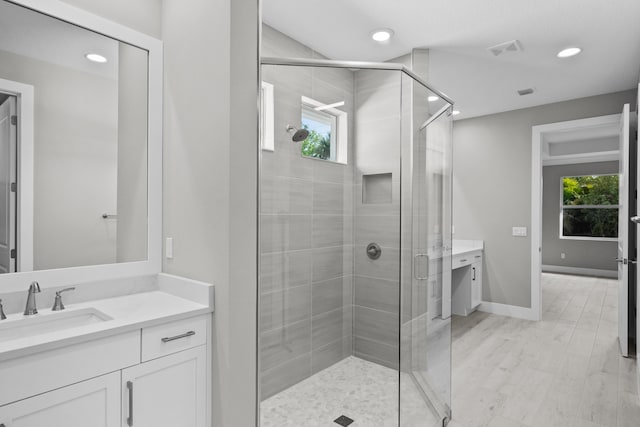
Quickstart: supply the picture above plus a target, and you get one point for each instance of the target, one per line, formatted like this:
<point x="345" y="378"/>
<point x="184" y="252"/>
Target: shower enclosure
<point x="355" y="246"/>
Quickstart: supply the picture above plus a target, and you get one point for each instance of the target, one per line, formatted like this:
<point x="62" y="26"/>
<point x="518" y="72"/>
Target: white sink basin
<point x="52" y="321"/>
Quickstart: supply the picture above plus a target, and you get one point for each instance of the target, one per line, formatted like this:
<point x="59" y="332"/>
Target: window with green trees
<point x="321" y="142"/>
<point x="590" y="206"/>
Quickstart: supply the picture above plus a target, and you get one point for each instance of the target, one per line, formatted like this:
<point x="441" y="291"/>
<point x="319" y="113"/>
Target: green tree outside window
<point x="599" y="196"/>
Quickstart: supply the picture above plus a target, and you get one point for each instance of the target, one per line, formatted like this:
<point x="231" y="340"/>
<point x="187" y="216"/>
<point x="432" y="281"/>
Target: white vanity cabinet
<point x="476" y="282"/>
<point x="169" y="388"/>
<point x="466" y="282"/>
<point x="151" y="377"/>
<point x="94" y="403"/>
<point x="166" y="392"/>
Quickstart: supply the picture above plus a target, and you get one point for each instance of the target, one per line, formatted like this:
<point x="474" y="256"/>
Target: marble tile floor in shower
<point x="563" y="371"/>
<point x="363" y="391"/>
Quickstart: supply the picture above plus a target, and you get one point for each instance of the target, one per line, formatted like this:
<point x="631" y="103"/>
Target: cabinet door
<point x="94" y="403"/>
<point x="476" y="284"/>
<point x="166" y="392"/>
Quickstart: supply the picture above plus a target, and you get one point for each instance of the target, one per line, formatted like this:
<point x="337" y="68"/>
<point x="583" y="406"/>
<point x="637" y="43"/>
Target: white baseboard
<point x="508" y="310"/>
<point x="580" y="271"/>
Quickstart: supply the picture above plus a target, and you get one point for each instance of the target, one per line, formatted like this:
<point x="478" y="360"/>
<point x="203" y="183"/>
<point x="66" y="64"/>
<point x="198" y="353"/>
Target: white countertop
<point x="126" y="313"/>
<point x="466" y="246"/>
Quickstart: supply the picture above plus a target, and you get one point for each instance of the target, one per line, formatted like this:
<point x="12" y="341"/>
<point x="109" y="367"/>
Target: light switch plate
<point x="519" y="231"/>
<point x="168" y="247"/>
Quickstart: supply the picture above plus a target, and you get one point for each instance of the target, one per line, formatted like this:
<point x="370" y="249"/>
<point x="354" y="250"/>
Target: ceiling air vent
<point x="523" y="92"/>
<point x="512" y="46"/>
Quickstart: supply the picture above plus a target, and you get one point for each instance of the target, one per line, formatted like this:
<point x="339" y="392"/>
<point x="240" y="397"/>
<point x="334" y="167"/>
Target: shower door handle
<point x="416" y="273"/>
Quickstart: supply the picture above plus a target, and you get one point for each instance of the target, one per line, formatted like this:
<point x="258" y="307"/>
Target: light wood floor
<point x="563" y="371"/>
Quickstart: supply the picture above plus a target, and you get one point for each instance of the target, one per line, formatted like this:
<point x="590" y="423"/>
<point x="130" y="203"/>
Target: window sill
<point x="593" y="239"/>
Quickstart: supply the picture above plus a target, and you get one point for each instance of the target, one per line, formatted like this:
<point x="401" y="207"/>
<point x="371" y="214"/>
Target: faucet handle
<point x="57" y="303"/>
<point x="2" y="315"/>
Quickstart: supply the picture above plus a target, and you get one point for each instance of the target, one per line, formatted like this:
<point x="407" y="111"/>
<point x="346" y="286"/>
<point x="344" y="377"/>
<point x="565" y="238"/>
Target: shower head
<point x="298" y="134"/>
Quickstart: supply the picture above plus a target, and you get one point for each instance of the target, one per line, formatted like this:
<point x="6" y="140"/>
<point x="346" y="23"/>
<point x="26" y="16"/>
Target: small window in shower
<point x="327" y="127"/>
<point x="267" y="136"/>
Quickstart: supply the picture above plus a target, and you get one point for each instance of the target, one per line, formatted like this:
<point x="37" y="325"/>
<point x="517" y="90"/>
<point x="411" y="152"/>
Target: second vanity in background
<point x="466" y="278"/>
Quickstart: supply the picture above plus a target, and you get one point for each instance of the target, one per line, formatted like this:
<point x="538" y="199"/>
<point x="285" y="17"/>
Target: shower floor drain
<point x="343" y="420"/>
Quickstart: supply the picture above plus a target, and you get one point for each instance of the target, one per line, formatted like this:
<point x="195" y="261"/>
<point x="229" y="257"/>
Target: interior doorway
<point x="8" y="168"/>
<point x="576" y="227"/>
<point x="22" y="96"/>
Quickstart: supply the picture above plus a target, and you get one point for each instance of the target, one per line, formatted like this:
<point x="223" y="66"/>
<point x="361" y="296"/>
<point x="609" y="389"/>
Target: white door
<point x="7" y="177"/>
<point x="166" y="392"/>
<point x="92" y="403"/>
<point x="637" y="242"/>
<point x="623" y="233"/>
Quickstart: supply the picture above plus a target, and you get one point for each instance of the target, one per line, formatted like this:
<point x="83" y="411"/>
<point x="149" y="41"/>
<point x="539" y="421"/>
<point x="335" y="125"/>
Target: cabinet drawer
<point x="461" y="260"/>
<point x="158" y="341"/>
<point x="465" y="259"/>
<point x="37" y="373"/>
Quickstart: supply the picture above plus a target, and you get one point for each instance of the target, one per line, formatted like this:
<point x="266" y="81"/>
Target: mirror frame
<point x="15" y="282"/>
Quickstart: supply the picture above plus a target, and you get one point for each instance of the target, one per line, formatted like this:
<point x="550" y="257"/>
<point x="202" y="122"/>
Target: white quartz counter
<point x="172" y="298"/>
<point x="466" y="246"/>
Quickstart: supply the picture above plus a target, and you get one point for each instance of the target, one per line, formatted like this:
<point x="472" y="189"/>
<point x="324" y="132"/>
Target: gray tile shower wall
<point x="306" y="240"/>
<point x="377" y="151"/>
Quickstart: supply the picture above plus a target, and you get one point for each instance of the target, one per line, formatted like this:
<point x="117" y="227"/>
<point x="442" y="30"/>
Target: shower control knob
<point x="374" y="251"/>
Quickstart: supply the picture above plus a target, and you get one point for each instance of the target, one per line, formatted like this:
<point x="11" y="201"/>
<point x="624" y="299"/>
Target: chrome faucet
<point x="31" y="308"/>
<point x="57" y="303"/>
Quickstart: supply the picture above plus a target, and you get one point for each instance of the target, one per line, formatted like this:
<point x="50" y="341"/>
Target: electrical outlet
<point x="519" y="231"/>
<point x="562" y="255"/>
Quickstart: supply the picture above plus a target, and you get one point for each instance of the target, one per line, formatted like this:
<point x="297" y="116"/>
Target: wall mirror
<point x="80" y="144"/>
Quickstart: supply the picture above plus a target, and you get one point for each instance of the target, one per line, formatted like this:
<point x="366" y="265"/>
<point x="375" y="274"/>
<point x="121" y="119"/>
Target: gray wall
<point x="145" y="17"/>
<point x="210" y="180"/>
<point x="492" y="186"/>
<point x="239" y="379"/>
<point x="376" y="302"/>
<point x="306" y="231"/>
<point x="578" y="253"/>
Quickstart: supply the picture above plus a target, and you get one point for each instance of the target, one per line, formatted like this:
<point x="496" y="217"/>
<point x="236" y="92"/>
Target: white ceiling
<point x="458" y="33"/>
<point x="38" y="36"/>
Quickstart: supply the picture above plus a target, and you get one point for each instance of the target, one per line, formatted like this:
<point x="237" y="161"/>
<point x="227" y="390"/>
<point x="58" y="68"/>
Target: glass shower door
<point x="426" y="300"/>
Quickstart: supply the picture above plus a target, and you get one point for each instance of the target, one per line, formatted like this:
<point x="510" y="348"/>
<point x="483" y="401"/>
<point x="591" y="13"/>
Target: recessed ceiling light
<point x="570" y="51"/>
<point x="96" y="58"/>
<point x="382" y="34"/>
<point x="433" y="98"/>
<point x="455" y="112"/>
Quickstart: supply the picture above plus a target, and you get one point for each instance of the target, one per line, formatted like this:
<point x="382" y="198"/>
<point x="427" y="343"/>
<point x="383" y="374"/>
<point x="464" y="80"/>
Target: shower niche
<point x="377" y="188"/>
<point x="344" y="335"/>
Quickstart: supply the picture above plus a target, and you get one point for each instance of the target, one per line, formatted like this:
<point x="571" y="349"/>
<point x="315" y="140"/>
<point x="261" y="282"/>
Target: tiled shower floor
<point x="363" y="391"/>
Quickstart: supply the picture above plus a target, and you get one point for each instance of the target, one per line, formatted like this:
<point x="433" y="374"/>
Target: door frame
<point x="537" y="135"/>
<point x="24" y="94"/>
